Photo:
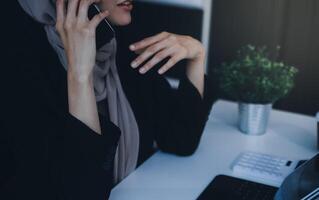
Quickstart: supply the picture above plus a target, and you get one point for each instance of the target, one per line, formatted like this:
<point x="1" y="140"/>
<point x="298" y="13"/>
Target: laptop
<point x="302" y="184"/>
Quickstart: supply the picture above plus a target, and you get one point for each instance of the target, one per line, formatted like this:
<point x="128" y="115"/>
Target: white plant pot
<point x="253" y="118"/>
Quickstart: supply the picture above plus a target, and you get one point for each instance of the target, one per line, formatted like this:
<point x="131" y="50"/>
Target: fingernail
<point x="160" y="71"/>
<point x="142" y="70"/>
<point x="132" y="47"/>
<point x="134" y="64"/>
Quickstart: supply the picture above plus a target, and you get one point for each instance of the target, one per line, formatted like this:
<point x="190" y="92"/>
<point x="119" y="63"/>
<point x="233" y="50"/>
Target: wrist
<point x="197" y="62"/>
<point x="78" y="87"/>
<point x="79" y="78"/>
<point x="195" y="72"/>
<point x="196" y="67"/>
<point x="199" y="59"/>
<point x="201" y="55"/>
<point x="78" y="84"/>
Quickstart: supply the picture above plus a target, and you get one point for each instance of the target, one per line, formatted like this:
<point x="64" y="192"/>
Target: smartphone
<point x="104" y="32"/>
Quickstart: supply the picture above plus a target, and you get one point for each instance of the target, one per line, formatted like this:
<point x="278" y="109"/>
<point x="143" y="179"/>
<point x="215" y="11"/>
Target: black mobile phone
<point x="104" y="31"/>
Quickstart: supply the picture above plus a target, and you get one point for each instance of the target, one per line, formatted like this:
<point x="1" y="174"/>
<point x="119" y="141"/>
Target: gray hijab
<point x="107" y="85"/>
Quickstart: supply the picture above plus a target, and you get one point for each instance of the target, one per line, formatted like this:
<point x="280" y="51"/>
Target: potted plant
<point x="256" y="82"/>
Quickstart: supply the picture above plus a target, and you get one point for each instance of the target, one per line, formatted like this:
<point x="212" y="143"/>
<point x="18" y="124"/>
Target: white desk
<point x="169" y="177"/>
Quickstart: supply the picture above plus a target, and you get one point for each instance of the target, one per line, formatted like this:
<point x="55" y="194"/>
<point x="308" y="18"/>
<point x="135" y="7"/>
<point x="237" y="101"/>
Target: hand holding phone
<point x="104" y="31"/>
<point x="78" y="36"/>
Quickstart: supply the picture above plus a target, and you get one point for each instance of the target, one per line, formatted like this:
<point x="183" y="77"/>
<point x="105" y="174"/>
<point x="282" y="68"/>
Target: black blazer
<point x="48" y="154"/>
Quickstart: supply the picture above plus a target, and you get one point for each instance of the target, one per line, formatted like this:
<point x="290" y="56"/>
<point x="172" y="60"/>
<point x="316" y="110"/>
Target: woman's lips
<point x="126" y="5"/>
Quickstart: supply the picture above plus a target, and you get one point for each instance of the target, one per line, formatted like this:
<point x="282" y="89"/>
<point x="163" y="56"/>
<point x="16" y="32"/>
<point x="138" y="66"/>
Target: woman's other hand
<point x="166" y="45"/>
<point x="78" y="35"/>
<point x="154" y="49"/>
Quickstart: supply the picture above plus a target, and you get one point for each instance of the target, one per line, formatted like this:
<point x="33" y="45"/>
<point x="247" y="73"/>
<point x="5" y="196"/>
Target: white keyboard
<point x="266" y="168"/>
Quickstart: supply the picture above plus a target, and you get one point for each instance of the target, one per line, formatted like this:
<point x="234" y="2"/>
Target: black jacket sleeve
<point x="74" y="164"/>
<point x="87" y="163"/>
<point x="49" y="154"/>
<point x="182" y="115"/>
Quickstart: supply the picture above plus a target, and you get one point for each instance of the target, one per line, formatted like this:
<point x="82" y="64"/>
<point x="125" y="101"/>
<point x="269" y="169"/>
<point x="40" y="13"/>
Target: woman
<point x="74" y="123"/>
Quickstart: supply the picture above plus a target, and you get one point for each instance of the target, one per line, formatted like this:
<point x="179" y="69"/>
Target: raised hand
<point x="164" y="45"/>
<point x="78" y="35"/>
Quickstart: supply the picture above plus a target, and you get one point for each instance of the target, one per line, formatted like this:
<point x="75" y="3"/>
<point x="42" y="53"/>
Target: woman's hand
<point x="78" y="36"/>
<point x="164" y="45"/>
<point x="176" y="47"/>
<point x="77" y="33"/>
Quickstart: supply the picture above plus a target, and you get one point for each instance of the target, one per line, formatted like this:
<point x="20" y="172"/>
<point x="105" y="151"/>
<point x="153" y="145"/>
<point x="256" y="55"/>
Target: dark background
<point x="291" y="24"/>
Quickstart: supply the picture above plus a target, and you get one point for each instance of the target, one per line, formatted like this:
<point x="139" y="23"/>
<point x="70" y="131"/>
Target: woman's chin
<point x="123" y="21"/>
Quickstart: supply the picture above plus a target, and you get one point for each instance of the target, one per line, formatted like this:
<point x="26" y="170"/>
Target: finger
<point x="150" y="51"/>
<point x="170" y="63"/>
<point x="97" y="19"/>
<point x="60" y="4"/>
<point x="148" y="41"/>
<point x="140" y="51"/>
<point x="72" y="10"/>
<point x="84" y="9"/>
<point x="157" y="58"/>
<point x="60" y="9"/>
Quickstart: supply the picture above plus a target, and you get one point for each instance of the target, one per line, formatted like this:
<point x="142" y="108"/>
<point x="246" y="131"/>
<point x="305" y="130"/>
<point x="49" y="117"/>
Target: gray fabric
<point x="107" y="85"/>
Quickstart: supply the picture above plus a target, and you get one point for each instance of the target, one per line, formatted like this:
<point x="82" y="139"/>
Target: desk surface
<point x="169" y="177"/>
